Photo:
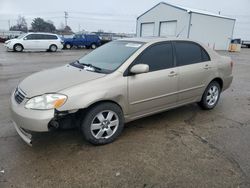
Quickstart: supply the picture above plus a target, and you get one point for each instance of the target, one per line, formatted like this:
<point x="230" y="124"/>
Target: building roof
<point x="189" y="10"/>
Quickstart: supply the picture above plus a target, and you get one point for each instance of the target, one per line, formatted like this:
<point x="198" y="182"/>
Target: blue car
<point x="82" y="40"/>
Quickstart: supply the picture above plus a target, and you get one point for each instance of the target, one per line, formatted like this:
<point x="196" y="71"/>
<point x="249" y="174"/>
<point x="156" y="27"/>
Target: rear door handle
<point x="207" y="67"/>
<point x="172" y="74"/>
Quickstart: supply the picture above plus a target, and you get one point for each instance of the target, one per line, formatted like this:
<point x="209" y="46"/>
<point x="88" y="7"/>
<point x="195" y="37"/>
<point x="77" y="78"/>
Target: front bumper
<point x="27" y="137"/>
<point x="32" y="120"/>
<point x="8" y="47"/>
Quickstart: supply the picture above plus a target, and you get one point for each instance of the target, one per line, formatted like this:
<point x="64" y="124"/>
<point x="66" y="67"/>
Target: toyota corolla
<point x="119" y="82"/>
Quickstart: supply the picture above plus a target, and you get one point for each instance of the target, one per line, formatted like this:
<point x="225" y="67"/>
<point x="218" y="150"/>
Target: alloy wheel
<point x="104" y="124"/>
<point x="212" y="95"/>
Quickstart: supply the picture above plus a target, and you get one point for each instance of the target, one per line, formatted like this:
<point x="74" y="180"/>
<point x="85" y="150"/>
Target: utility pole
<point x="9" y="24"/>
<point x="66" y="16"/>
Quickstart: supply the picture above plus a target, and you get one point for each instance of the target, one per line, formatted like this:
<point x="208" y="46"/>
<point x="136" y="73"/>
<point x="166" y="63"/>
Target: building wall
<point x="162" y="13"/>
<point x="212" y="31"/>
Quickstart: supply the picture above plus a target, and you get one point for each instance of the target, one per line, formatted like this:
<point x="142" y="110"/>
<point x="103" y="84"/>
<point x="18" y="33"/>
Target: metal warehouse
<point x="170" y="20"/>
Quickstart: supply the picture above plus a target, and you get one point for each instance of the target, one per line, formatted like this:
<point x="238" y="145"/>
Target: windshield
<point x="110" y="56"/>
<point x="22" y="35"/>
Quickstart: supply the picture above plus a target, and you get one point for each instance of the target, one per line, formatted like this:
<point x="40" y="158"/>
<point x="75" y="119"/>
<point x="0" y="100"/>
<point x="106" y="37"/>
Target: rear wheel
<point x="211" y="96"/>
<point x="18" y="48"/>
<point x="68" y="46"/>
<point x="53" y="48"/>
<point x="103" y="123"/>
<point x="93" y="46"/>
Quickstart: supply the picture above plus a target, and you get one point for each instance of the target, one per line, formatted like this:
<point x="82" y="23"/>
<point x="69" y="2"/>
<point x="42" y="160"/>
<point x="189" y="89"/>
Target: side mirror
<point x="25" y="38"/>
<point x="139" y="69"/>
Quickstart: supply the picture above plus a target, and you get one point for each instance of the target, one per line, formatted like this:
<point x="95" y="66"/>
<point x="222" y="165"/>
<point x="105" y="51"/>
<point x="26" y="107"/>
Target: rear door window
<point x="189" y="53"/>
<point x="205" y="56"/>
<point x="39" y="36"/>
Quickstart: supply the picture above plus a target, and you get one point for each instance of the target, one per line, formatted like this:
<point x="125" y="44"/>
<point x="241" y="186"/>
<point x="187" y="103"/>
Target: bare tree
<point x="21" y="25"/>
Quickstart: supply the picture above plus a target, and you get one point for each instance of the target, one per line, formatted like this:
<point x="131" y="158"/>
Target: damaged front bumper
<point x="27" y="137"/>
<point x="29" y="120"/>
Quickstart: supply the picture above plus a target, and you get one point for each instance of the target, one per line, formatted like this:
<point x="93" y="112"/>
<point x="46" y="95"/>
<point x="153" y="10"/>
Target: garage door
<point x="147" y="29"/>
<point x="168" y="28"/>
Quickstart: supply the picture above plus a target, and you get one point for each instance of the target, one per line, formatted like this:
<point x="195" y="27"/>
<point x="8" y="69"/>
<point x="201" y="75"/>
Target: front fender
<point x="110" y="88"/>
<point x="86" y="100"/>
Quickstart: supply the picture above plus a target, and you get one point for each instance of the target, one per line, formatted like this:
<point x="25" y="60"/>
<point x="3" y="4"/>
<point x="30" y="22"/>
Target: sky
<point x="114" y="15"/>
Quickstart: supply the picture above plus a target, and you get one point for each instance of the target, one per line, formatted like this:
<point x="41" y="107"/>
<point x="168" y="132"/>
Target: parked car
<point x="82" y="40"/>
<point x="35" y="41"/>
<point x="2" y="39"/>
<point x="119" y="82"/>
<point x="246" y="43"/>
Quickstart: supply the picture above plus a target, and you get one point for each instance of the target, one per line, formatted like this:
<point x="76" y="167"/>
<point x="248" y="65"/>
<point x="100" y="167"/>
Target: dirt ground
<point x="184" y="147"/>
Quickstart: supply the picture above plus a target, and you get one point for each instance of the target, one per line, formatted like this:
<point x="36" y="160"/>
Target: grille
<point x="19" y="96"/>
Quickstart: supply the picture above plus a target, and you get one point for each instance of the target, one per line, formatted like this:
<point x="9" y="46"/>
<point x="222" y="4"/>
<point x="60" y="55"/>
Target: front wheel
<point x="103" y="123"/>
<point x="18" y="48"/>
<point x="211" y="96"/>
<point x="53" y="48"/>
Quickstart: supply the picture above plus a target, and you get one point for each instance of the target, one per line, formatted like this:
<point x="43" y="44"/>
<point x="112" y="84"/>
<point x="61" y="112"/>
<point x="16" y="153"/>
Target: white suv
<point x="35" y="41"/>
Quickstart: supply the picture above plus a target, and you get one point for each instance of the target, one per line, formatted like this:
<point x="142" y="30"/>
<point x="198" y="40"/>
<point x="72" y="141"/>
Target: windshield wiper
<point x="95" y="69"/>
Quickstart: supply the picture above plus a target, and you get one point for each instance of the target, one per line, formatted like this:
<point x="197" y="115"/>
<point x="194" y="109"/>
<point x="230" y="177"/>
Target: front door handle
<point x="172" y="74"/>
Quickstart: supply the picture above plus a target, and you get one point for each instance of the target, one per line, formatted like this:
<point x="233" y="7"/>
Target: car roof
<point x="41" y="33"/>
<point x="154" y="39"/>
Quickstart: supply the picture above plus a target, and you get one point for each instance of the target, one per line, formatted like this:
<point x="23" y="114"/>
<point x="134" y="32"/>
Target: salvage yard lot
<point x="184" y="147"/>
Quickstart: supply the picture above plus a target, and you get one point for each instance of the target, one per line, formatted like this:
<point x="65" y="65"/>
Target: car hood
<point x="54" y="80"/>
<point x="10" y="40"/>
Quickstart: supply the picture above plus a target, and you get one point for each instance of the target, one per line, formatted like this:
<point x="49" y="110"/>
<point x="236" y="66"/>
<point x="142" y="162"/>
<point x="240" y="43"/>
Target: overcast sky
<point x="114" y="15"/>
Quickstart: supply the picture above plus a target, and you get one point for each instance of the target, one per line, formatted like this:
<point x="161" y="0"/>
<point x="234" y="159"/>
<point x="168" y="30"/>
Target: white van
<point x="35" y="41"/>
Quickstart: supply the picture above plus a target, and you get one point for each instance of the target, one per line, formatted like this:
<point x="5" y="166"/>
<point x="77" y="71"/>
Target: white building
<point x="169" y="20"/>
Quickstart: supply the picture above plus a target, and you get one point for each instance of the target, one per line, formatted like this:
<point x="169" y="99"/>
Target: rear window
<point x="190" y="53"/>
<point x="41" y="37"/>
<point x="49" y="37"/>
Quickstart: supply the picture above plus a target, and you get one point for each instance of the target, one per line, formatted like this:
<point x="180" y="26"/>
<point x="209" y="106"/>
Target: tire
<point x="103" y="123"/>
<point x="93" y="46"/>
<point x="53" y="48"/>
<point x="68" y="46"/>
<point x="211" y="96"/>
<point x="18" y="48"/>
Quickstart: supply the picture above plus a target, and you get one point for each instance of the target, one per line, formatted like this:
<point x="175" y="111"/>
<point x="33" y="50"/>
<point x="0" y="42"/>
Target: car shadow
<point x="74" y="137"/>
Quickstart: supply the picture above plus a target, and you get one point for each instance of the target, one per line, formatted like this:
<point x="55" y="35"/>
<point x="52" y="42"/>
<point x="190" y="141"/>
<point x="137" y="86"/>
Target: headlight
<point x="7" y="42"/>
<point x="46" y="102"/>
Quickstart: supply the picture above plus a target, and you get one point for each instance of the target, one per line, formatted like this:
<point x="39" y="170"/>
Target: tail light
<point x="231" y="64"/>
